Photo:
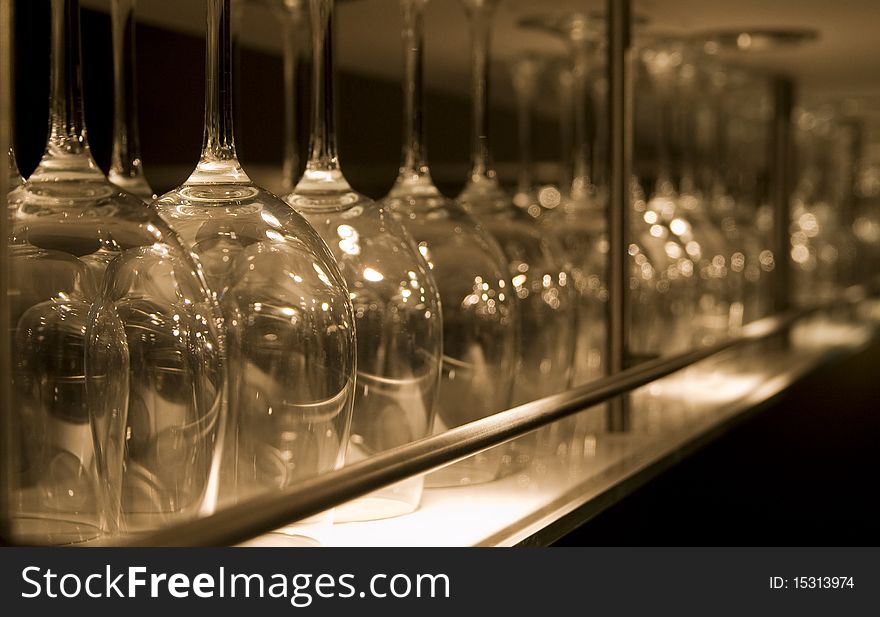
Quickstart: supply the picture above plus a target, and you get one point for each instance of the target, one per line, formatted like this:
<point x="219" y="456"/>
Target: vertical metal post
<point x="782" y="174"/>
<point x="619" y="114"/>
<point x="5" y="360"/>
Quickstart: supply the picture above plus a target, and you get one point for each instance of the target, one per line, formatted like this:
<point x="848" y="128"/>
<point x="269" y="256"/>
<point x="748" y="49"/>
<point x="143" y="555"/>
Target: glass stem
<point x="480" y="14"/>
<point x="125" y="162"/>
<point x="566" y="110"/>
<point x="67" y="148"/>
<point x="687" y="113"/>
<point x="598" y="91"/>
<point x="291" y="21"/>
<point x="525" y="75"/>
<point x="580" y="173"/>
<point x="720" y="144"/>
<point x="663" y="182"/>
<point x="323" y="173"/>
<point x="219" y="161"/>
<point x="414" y="169"/>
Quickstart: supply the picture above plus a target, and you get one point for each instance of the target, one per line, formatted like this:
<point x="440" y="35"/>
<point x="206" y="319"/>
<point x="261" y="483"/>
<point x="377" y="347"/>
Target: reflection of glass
<point x="818" y="234"/>
<point x="396" y="306"/>
<point x="118" y="382"/>
<point x="126" y="170"/>
<point x="539" y="282"/>
<point x="734" y="150"/>
<point x="479" y="319"/>
<point x="683" y="236"/>
<point x="579" y="220"/>
<point x="289" y="323"/>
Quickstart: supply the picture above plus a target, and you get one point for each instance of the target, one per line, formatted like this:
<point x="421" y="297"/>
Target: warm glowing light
<point x="373" y="275"/>
<point x="349" y="240"/>
<point x="678" y="226"/>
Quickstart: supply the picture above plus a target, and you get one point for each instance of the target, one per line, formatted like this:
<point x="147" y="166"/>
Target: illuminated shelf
<point x="670" y="418"/>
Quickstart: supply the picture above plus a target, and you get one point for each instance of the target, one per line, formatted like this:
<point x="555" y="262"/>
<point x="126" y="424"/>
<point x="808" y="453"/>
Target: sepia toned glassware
<point x="735" y="109"/>
<point x="126" y="168"/>
<point x="681" y="233"/>
<point x="540" y="283"/>
<point x="396" y="304"/>
<point x="479" y="311"/>
<point x="578" y="222"/>
<point x="288" y="320"/>
<point x="817" y="233"/>
<point x="117" y="363"/>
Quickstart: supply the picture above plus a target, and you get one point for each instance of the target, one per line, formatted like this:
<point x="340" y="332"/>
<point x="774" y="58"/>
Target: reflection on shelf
<point x="575" y="475"/>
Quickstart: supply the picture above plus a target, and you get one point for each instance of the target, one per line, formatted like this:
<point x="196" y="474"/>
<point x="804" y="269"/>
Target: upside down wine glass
<point x="289" y="323"/>
<point x="479" y="311"/>
<point x="578" y="222"/>
<point x="126" y="170"/>
<point x="118" y="378"/>
<point x="683" y="219"/>
<point x="396" y="305"/>
<point x="540" y="284"/>
<point x="738" y="113"/>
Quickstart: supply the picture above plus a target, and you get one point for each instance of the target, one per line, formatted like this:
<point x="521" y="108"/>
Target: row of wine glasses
<point x="700" y="245"/>
<point x="179" y="353"/>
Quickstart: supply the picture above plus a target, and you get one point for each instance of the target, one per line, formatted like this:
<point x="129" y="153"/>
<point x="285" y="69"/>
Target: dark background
<point x="170" y="74"/>
<point x="805" y="472"/>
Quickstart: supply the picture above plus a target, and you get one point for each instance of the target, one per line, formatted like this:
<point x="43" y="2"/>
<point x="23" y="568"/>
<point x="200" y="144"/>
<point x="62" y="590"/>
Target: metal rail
<point x="269" y="512"/>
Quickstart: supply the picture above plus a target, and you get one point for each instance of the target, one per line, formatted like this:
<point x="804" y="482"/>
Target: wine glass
<point x="542" y="288"/>
<point x="396" y="304"/>
<point x="126" y="169"/>
<point x="118" y="380"/>
<point x="579" y="220"/>
<point x="289" y="322"/>
<point x="695" y="249"/>
<point x="479" y="312"/>
<point x="540" y="283"/>
<point x="818" y="234"/>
